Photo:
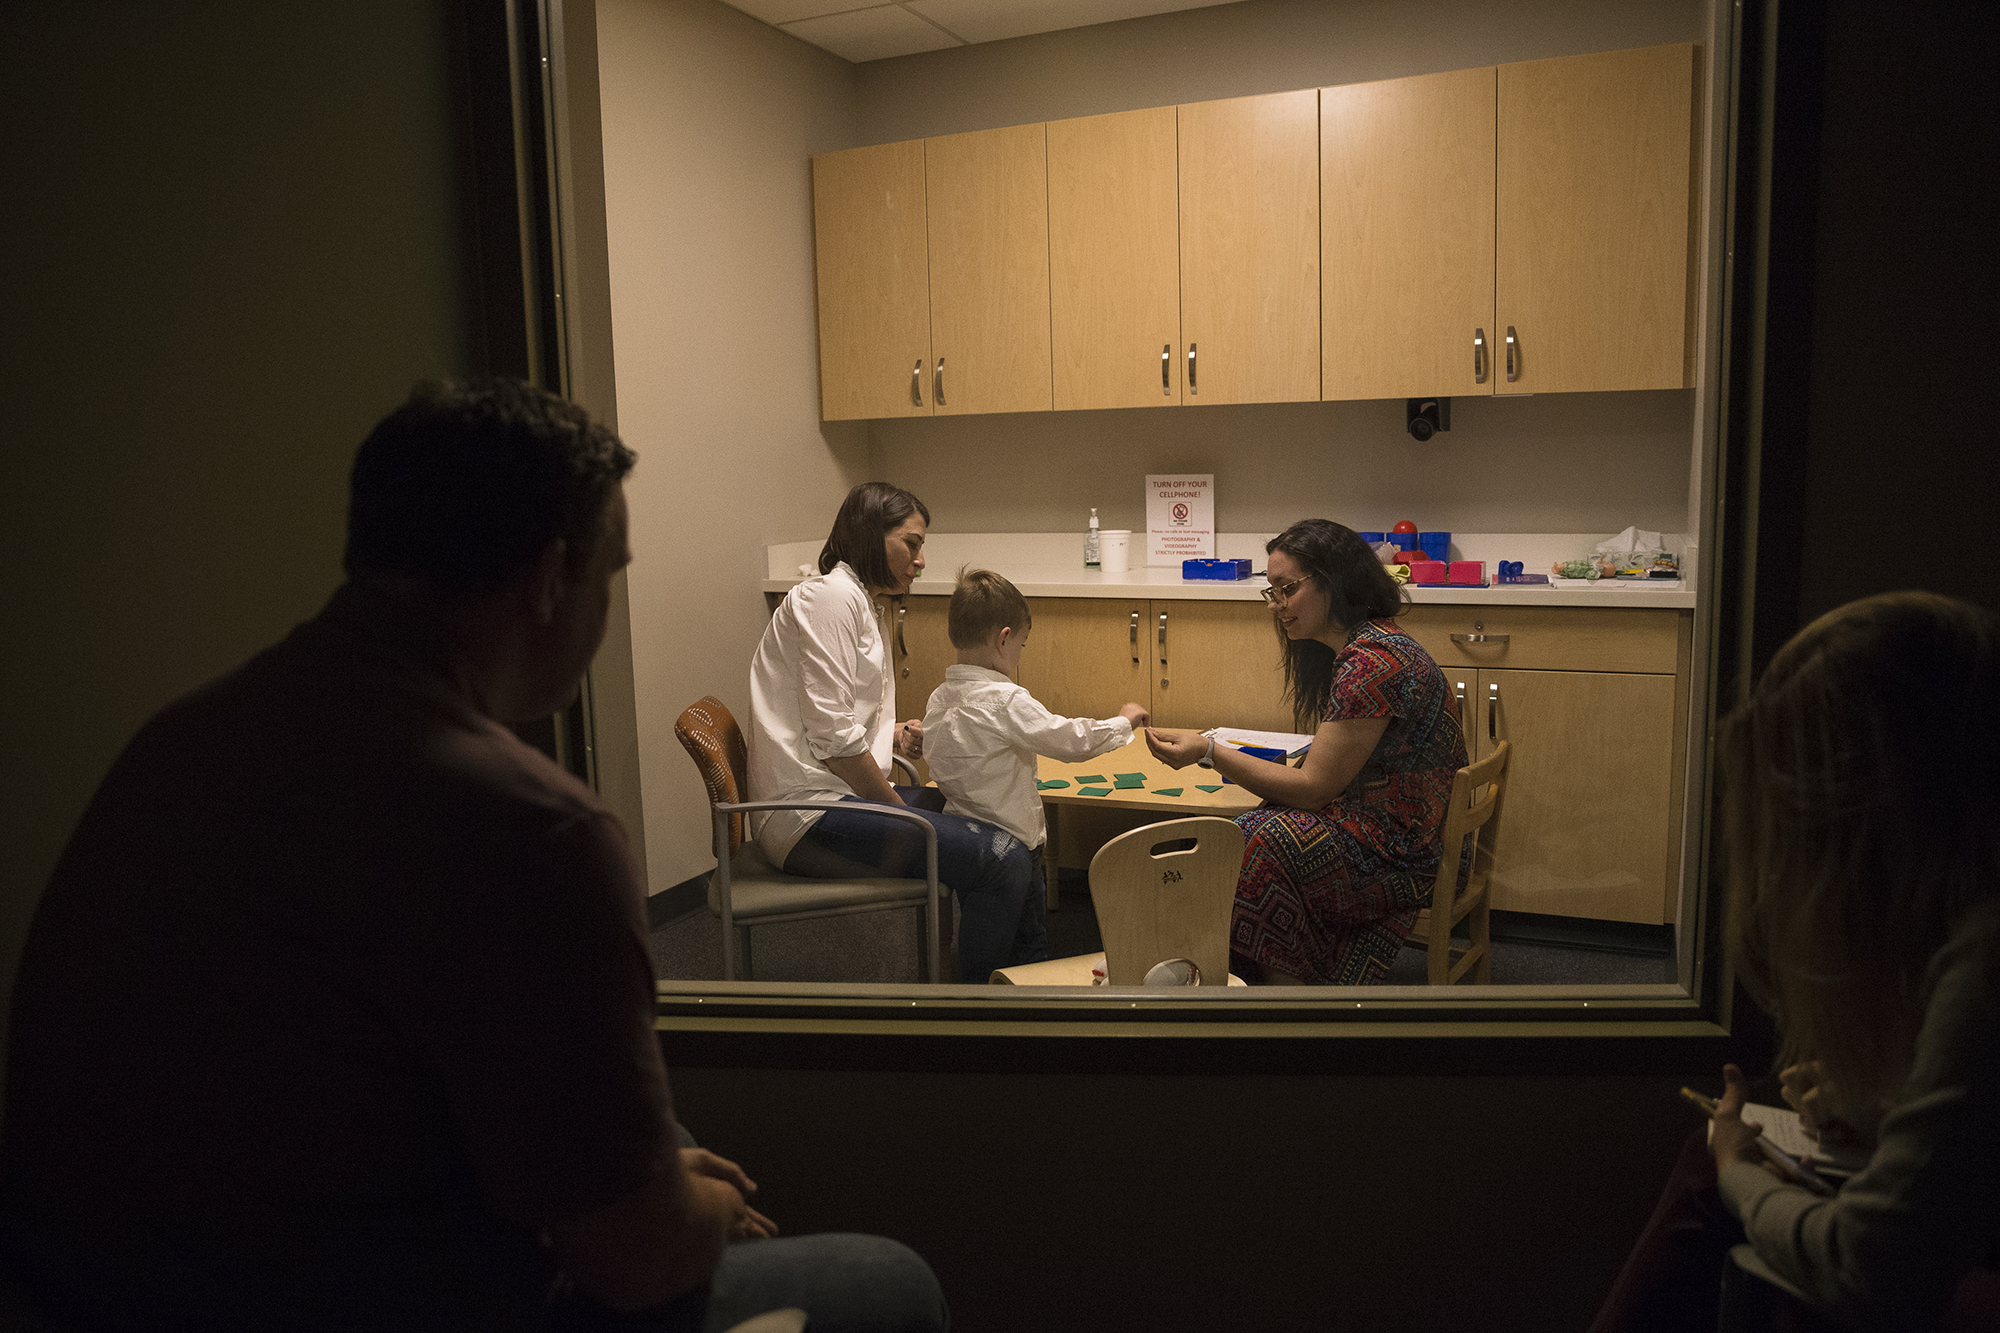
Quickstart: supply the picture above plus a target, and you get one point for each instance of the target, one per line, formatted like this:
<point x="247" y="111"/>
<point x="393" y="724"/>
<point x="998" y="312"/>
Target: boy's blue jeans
<point x="1002" y="898"/>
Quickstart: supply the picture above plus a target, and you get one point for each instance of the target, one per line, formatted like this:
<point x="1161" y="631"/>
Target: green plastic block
<point x="1094" y="777"/>
<point x="1093" y="791"/>
<point x="1167" y="791"/>
<point x="1203" y="786"/>
<point x="1135" y="777"/>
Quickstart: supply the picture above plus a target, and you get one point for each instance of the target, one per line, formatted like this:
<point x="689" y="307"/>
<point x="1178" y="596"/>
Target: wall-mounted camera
<point x="1428" y="416"/>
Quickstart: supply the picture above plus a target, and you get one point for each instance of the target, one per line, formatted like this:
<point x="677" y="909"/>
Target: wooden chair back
<point x="1165" y="891"/>
<point x="708" y="731"/>
<point x="1471" y="813"/>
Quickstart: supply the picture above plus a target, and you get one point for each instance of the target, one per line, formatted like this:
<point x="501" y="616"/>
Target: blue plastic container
<point x="1436" y="545"/>
<point x="1370" y="537"/>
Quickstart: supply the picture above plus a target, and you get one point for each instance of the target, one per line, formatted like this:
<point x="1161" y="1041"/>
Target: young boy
<point x="982" y="733"/>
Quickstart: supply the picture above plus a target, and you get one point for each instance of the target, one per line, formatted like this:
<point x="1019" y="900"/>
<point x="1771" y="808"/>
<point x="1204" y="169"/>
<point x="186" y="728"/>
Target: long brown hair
<point x="1861" y="809"/>
<point x="1342" y="566"/>
<point x="871" y="511"/>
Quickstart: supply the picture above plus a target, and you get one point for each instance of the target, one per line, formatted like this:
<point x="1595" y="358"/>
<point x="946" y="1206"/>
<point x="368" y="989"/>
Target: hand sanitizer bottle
<point x="1091" y="559"/>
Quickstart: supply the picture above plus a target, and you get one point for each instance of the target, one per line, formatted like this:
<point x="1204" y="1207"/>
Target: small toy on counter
<point x="1577" y="569"/>
<point x="1404" y="536"/>
<point x="1428" y="572"/>
<point x="1467" y="573"/>
<point x="1664" y="567"/>
<point x="1510" y="573"/>
<point x="1225" y="570"/>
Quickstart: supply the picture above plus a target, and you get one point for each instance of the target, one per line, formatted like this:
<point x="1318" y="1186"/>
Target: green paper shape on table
<point x="1133" y="780"/>
<point x="1094" y="777"/>
<point x="1052" y="784"/>
<point x="1203" y="786"/>
<point x="1093" y="791"/>
<point x="1166" y="791"/>
<point x="1133" y="777"/>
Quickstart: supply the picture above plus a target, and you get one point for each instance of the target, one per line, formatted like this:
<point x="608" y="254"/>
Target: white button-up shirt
<point x="820" y="688"/>
<point x="981" y="735"/>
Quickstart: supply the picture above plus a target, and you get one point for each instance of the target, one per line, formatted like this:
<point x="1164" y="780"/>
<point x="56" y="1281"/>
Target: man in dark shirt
<point x="337" y="1011"/>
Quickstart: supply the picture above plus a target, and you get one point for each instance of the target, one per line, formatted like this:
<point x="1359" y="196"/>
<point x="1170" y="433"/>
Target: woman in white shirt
<point x="822" y="727"/>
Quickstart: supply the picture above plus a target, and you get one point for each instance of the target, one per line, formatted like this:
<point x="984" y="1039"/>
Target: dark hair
<point x="466" y="482"/>
<point x="1861" y="815"/>
<point x="1343" y="567"/>
<point x="871" y="511"/>
<point x="982" y="603"/>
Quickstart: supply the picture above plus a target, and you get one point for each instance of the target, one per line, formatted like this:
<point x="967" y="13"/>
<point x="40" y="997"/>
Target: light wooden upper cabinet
<point x="874" y="282"/>
<point x="989" y="258"/>
<point x="1593" y="220"/>
<point x="1249" y="222"/>
<point x="1406" y="236"/>
<point x="1114" y="260"/>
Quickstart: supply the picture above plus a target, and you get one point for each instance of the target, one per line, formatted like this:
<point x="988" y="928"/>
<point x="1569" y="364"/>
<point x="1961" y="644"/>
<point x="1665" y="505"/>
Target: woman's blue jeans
<point x="1002" y="919"/>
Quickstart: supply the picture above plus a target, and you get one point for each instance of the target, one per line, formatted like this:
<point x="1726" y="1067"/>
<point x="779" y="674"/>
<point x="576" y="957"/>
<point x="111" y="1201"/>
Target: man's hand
<point x="1136" y="714"/>
<point x="748" y="1223"/>
<point x="1176" y="749"/>
<point x="1735" y="1140"/>
<point x="910" y="739"/>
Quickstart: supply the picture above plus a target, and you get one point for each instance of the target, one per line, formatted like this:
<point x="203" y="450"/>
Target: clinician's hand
<point x="1176" y="749"/>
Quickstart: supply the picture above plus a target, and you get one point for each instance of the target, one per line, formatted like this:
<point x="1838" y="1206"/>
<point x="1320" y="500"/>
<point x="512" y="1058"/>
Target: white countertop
<point x="1025" y="558"/>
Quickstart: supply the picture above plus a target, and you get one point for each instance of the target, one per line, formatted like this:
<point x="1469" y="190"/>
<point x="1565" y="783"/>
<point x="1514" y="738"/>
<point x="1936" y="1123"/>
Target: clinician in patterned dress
<point x="1339" y="856"/>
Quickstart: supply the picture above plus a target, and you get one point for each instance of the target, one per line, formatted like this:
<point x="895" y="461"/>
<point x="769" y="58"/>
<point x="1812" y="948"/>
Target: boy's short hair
<point x="982" y="603"/>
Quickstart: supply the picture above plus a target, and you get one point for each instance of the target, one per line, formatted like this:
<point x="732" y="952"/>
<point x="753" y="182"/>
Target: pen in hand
<point x="1789" y="1166"/>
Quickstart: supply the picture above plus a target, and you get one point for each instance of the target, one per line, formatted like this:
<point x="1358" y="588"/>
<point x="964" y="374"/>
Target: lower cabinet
<point x="1590" y="821"/>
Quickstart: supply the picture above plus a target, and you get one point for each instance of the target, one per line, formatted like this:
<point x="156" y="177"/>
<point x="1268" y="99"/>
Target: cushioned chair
<point x="1161" y="892"/>
<point x="1755" y="1299"/>
<point x="1475" y="801"/>
<point x="746" y="889"/>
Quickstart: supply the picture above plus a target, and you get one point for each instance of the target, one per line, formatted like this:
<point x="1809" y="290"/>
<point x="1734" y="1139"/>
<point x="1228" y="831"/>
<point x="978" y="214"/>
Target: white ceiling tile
<point x="775" y="12"/>
<point x="872" y="34"/>
<point x="996" y="20"/>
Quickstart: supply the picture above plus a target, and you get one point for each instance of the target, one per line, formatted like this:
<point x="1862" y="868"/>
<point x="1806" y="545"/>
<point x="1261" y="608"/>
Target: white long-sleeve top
<point x="981" y="735"/>
<point x="1888" y="1248"/>
<point x="820" y="688"/>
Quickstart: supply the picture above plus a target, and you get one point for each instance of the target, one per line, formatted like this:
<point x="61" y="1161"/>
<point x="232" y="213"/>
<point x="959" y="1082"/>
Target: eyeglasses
<point x="1282" y="592"/>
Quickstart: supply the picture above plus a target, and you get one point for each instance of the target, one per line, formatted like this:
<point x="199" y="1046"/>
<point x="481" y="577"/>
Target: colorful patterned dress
<point x="1330" y="895"/>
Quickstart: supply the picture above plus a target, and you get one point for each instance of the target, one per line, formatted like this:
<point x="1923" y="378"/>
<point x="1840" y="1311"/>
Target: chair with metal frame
<point x="1475" y="800"/>
<point x="747" y="890"/>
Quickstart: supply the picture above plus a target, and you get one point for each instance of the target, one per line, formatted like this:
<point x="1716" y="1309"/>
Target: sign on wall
<point x="1180" y="518"/>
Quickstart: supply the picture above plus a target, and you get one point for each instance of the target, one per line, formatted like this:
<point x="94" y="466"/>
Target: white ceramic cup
<point x="1114" y="550"/>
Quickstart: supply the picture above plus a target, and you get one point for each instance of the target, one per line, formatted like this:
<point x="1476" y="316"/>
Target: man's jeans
<point x="1002" y="909"/>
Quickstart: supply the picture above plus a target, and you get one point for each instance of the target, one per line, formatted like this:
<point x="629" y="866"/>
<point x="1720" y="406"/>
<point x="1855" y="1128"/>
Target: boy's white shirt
<point x="981" y="735"/>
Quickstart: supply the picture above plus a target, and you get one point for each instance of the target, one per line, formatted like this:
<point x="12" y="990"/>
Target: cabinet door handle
<point x="900" y="613"/>
<point x="1163" y="638"/>
<point x="917" y="383"/>
<point x="1493" y="712"/>
<point x="1479" y="356"/>
<point x="1481" y="638"/>
<point x="1192" y="387"/>
<point x="1166" y="356"/>
<point x="1135" y="637"/>
<point x="1513" y="353"/>
<point x="937" y="384"/>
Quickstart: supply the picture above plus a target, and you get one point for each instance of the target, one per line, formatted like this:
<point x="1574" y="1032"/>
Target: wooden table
<point x="1227" y="803"/>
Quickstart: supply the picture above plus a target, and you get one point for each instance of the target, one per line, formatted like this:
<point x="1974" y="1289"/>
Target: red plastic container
<point x="1469" y="572"/>
<point x="1428" y="571"/>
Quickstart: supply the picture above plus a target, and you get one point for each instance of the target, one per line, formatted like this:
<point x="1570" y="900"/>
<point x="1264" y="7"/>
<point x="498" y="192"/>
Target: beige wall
<point x="1584" y="462"/>
<point x="709" y="118"/>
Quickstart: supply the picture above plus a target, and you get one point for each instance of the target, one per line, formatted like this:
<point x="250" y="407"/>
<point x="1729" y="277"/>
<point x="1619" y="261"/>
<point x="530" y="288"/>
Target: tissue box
<point x="1468" y="573"/>
<point x="1428" y="571"/>
<point x="1226" y="570"/>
